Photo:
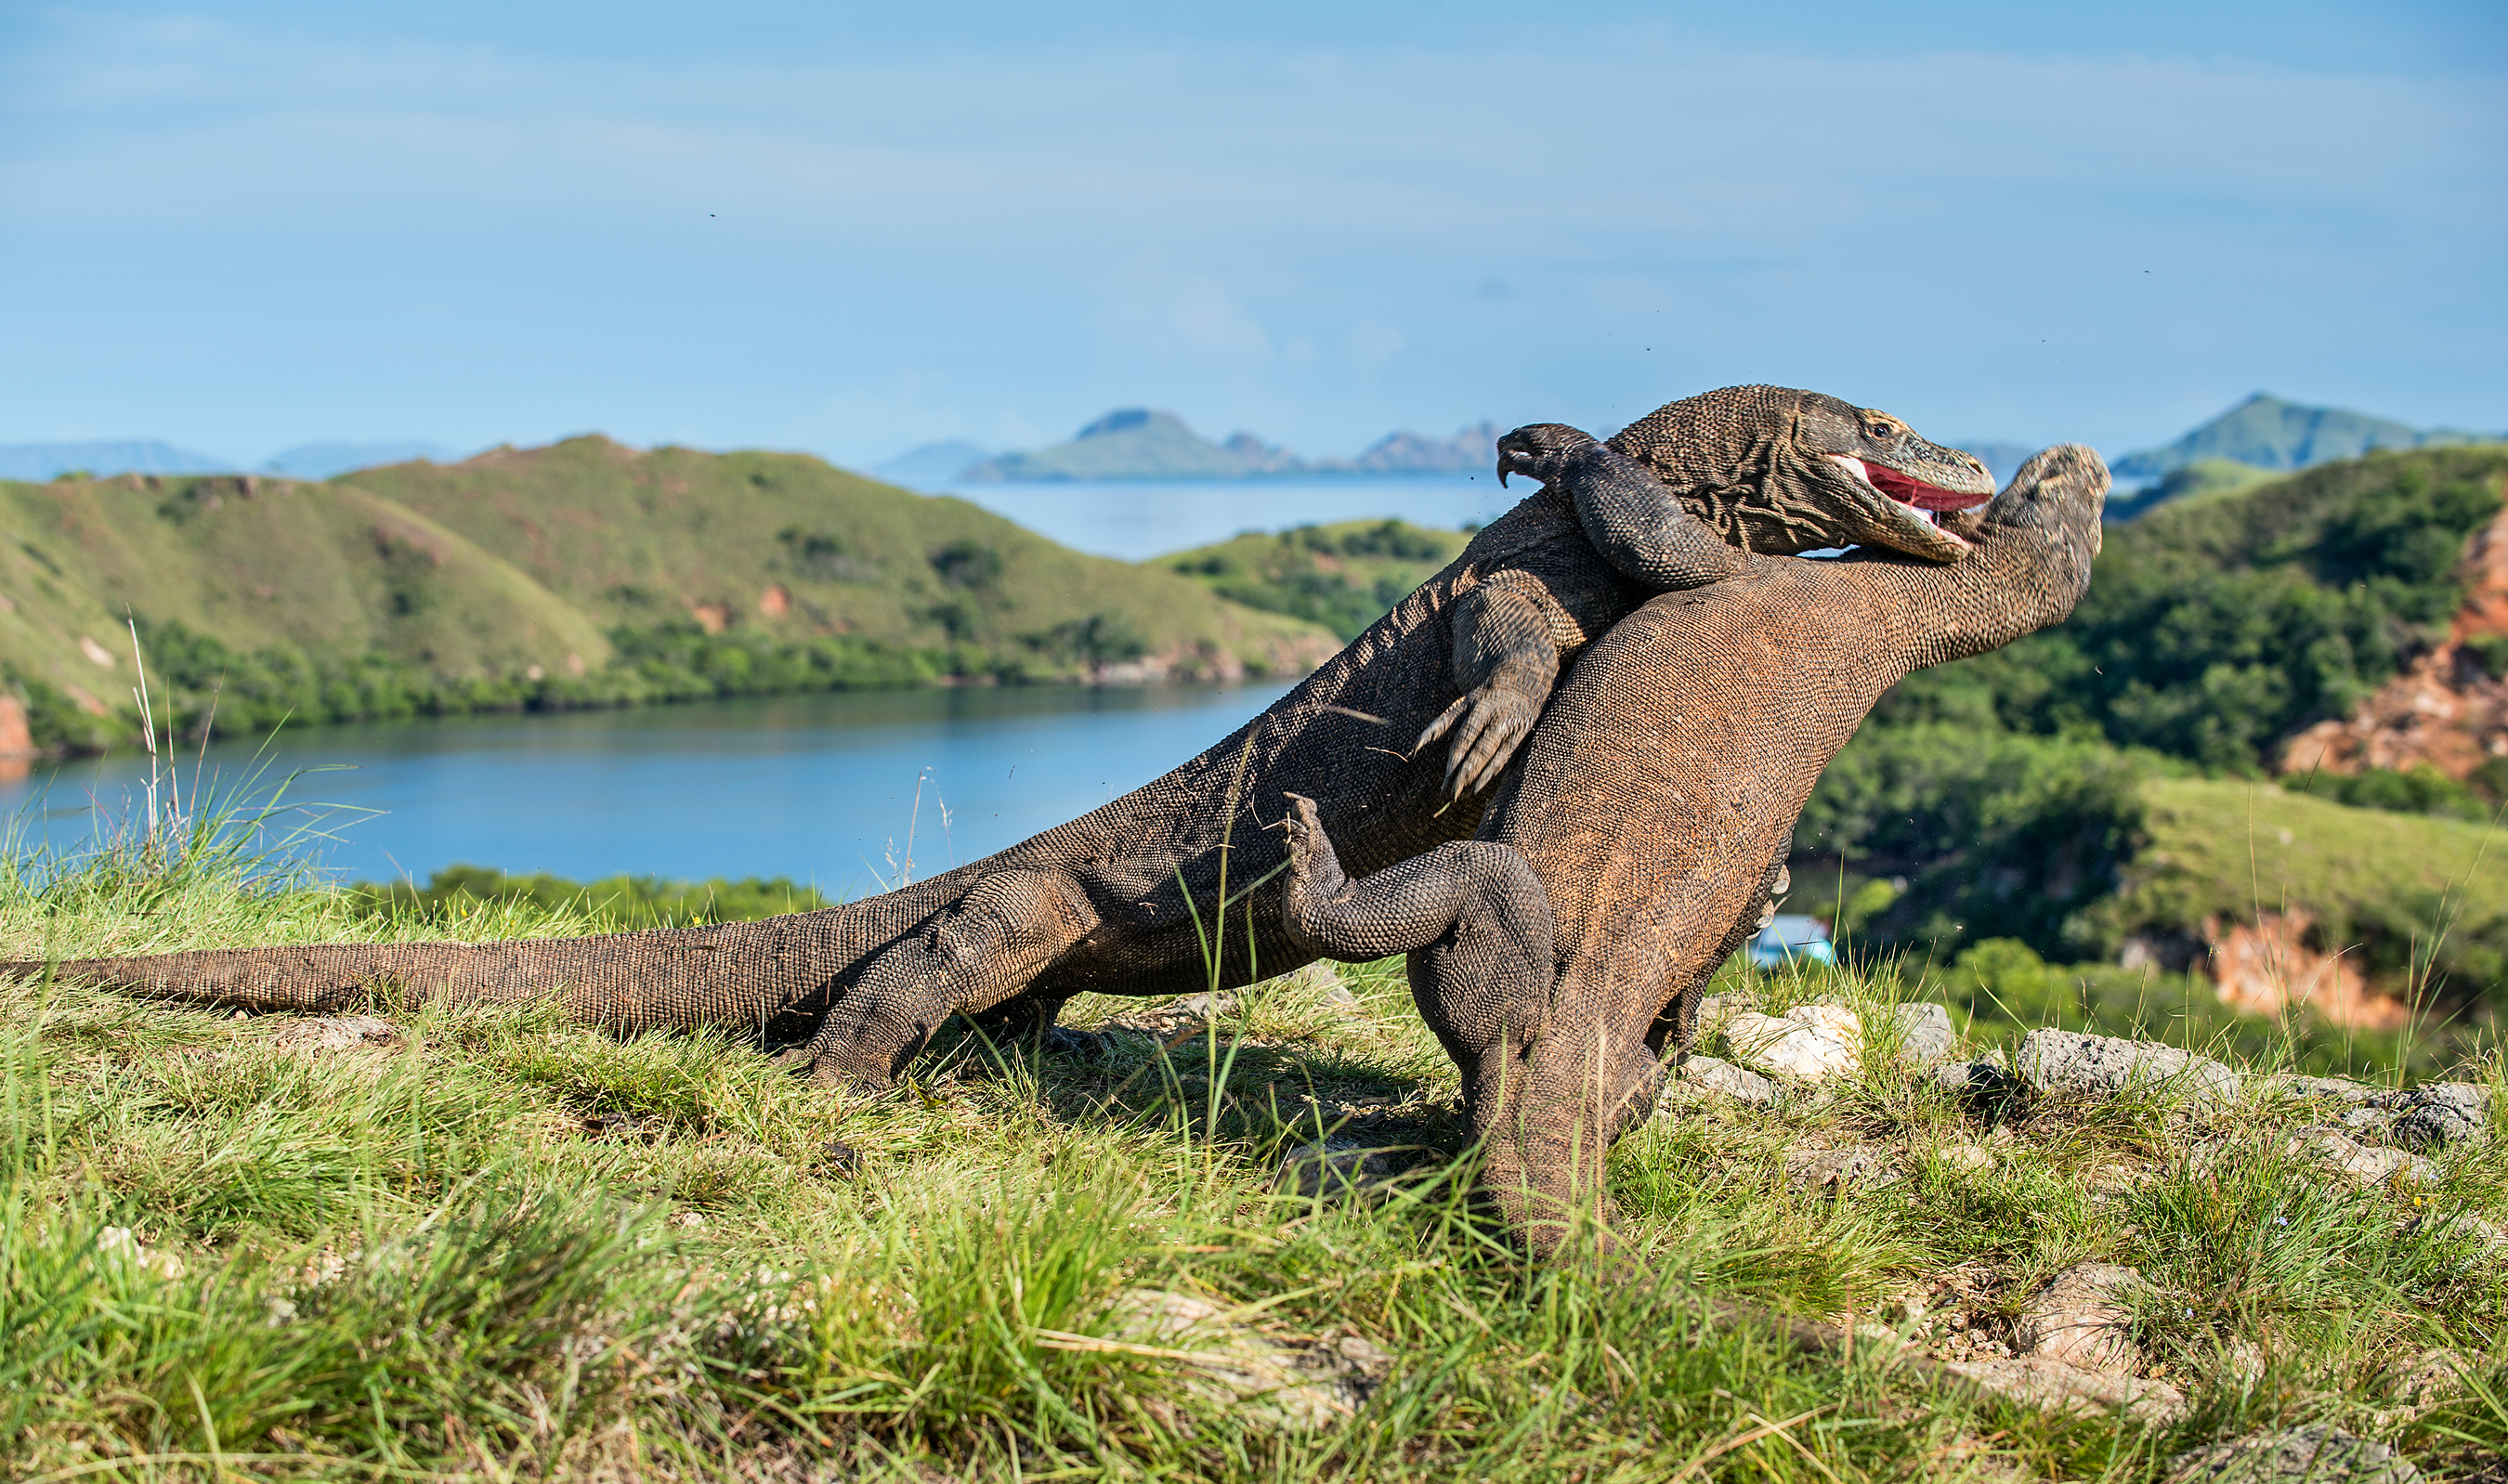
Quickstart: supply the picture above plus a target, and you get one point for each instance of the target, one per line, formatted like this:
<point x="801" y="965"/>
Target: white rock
<point x="2365" y="1165"/>
<point x="2046" y="1382"/>
<point x="2319" y="1453"/>
<point x="1800" y="1046"/>
<point x="2069" y="1062"/>
<point x="2080" y="1316"/>
<point x="316" y="1035"/>
<point x="1701" y="1077"/>
<point x="1291" y="1384"/>
<point x="1924" y="1037"/>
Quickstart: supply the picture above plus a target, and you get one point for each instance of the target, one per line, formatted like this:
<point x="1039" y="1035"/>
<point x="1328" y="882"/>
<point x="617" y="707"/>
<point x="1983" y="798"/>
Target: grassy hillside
<point x="584" y="574"/>
<point x="645" y="538"/>
<point x="2048" y="792"/>
<point x="487" y="1244"/>
<point x="2214" y="628"/>
<point x="267" y="564"/>
<point x="1343" y="577"/>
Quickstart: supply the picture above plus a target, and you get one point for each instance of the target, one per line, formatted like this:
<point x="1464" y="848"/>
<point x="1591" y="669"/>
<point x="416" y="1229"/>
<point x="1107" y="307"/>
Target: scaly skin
<point x="1637" y="841"/>
<point x="1109" y="901"/>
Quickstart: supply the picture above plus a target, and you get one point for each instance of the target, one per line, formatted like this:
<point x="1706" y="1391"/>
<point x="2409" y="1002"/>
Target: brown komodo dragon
<point x="1121" y="900"/>
<point x="1637" y="841"/>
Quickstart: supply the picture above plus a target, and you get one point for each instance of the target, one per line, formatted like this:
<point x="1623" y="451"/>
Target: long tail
<point x="775" y="976"/>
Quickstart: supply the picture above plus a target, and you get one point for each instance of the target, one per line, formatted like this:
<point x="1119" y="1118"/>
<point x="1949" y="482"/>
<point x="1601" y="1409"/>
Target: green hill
<point x="1343" y="577"/>
<point x="583" y="573"/>
<point x="2268" y="433"/>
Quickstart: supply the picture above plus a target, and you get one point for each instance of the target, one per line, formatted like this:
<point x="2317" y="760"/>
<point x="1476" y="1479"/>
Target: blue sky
<point x="853" y="228"/>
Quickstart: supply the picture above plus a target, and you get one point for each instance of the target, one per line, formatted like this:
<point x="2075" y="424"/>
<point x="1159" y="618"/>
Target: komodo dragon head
<point x="1782" y="471"/>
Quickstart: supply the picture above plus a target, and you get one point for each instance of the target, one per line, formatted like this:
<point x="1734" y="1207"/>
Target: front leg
<point x="969" y="958"/>
<point x="1632" y="518"/>
<point x="1505" y="661"/>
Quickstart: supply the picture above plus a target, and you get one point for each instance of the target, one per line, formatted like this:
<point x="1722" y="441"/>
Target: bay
<point x="828" y="790"/>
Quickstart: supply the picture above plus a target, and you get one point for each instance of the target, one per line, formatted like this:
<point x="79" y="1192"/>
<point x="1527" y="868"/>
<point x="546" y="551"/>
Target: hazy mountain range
<point x="104" y="457"/>
<point x="1140" y="442"/>
<point x="2262" y="432"/>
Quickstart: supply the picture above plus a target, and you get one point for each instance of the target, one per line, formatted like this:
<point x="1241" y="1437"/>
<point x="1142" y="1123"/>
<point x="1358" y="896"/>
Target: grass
<point x="511" y="1247"/>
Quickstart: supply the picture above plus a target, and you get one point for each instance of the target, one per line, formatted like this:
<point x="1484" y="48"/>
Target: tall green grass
<point x="516" y="1247"/>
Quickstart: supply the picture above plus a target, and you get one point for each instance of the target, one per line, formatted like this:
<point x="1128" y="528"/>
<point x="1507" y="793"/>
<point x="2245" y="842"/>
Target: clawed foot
<point x="1488" y="724"/>
<point x="1311" y="861"/>
<point x="1540" y="450"/>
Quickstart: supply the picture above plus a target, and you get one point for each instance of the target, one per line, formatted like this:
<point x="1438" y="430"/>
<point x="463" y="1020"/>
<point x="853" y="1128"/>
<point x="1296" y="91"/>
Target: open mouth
<point x="1906" y="488"/>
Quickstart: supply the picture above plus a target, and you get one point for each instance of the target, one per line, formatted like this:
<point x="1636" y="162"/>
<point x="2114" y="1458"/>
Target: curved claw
<point x="1444" y="724"/>
<point x="1495" y="725"/>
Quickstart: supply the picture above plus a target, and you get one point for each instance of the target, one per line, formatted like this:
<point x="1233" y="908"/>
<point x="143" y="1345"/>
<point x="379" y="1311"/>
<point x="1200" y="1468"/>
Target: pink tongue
<point x="1915" y="491"/>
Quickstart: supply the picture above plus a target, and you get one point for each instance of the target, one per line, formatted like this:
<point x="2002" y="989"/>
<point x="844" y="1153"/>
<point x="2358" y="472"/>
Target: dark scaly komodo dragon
<point x="1121" y="899"/>
<point x="1637" y="841"/>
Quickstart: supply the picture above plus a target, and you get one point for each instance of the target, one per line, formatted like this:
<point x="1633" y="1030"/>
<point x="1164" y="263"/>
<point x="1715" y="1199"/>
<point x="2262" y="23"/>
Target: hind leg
<point x="967" y="959"/>
<point x="1475" y="921"/>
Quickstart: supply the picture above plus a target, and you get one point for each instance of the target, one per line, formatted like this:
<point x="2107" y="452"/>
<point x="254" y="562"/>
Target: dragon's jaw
<point x="1912" y="502"/>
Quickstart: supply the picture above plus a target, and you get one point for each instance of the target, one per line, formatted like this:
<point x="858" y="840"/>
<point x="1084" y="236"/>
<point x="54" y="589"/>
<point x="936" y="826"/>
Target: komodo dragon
<point x="1637" y="841"/>
<point x="1120" y="900"/>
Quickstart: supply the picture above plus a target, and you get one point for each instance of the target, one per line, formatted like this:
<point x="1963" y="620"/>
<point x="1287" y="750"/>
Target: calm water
<point x="818" y="788"/>
<point x="1139" y="519"/>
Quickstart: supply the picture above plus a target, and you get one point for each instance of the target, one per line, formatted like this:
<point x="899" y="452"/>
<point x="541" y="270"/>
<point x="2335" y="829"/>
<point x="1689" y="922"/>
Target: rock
<point x="2337" y="1089"/>
<point x="316" y="1035"/>
<point x="1924" y="1037"/>
<point x="1715" y="1010"/>
<point x="2319" y="1453"/>
<point x="120" y="1244"/>
<point x="1701" y="1077"/>
<point x="1336" y="1168"/>
<point x="2436" y="1116"/>
<point x="1318" y="981"/>
<point x="1978" y="1081"/>
<point x="2081" y="1318"/>
<point x="2368" y="1120"/>
<point x="1965" y="1157"/>
<point x="635" y="1127"/>
<point x="1296" y="1384"/>
<point x="2365" y="1165"/>
<point x="2433" y="1375"/>
<point x="2071" y="1064"/>
<point x="1204" y="1006"/>
<point x="2042" y="1381"/>
<point x="1838" y="1170"/>
<point x="1809" y="1043"/>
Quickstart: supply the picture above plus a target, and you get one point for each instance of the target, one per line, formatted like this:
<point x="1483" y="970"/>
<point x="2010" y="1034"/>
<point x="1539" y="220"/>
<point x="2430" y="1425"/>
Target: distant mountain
<point x="1138" y="443"/>
<point x="1474" y="449"/>
<point x="43" y="461"/>
<point x="933" y="464"/>
<point x="328" y="460"/>
<point x="2269" y="433"/>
